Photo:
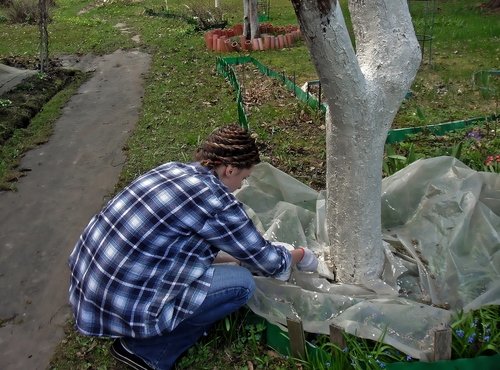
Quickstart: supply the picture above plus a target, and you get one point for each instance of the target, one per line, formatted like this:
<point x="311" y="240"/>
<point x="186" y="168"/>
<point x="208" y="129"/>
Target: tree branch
<point x="325" y="32"/>
<point x="386" y="46"/>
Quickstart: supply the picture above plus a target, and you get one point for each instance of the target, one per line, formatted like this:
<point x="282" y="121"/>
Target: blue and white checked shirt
<point x="143" y="264"/>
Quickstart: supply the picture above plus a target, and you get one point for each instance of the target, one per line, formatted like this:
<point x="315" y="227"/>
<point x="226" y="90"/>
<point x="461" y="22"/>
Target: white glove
<point x="287" y="246"/>
<point x="309" y="261"/>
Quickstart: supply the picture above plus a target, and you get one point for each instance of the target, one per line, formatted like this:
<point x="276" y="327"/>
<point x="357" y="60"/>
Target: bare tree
<point x="44" y="35"/>
<point x="364" y="88"/>
<point x="251" y="19"/>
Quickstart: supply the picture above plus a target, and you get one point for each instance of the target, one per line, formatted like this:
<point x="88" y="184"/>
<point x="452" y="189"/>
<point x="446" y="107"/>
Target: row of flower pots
<point x="240" y="43"/>
<point x="231" y="39"/>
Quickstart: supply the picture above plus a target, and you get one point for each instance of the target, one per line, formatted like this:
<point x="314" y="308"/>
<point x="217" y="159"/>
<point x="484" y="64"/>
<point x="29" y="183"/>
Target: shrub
<point x="206" y="15"/>
<point x="24" y="11"/>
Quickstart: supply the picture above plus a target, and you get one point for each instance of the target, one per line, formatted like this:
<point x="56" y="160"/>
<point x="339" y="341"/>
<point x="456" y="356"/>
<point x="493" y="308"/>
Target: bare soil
<point x="293" y="141"/>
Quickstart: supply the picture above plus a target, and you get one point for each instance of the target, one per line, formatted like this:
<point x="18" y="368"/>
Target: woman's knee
<point x="247" y="280"/>
<point x="229" y="277"/>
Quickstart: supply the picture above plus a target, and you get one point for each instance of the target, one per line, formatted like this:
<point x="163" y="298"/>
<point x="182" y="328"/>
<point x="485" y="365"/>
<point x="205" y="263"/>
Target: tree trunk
<point x="363" y="90"/>
<point x="250" y="19"/>
<point x="44" y="35"/>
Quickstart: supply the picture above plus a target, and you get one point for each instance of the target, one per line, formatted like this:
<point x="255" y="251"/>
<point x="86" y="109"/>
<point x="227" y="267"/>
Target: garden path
<point x="68" y="181"/>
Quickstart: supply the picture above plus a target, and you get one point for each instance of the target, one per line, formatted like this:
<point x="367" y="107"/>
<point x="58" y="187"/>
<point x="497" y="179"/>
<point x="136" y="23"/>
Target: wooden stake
<point x="297" y="338"/>
<point x="442" y="344"/>
<point x="336" y="336"/>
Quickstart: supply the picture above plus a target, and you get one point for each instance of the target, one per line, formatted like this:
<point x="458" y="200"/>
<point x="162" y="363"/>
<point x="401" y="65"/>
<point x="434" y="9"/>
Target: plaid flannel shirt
<point x="143" y="264"/>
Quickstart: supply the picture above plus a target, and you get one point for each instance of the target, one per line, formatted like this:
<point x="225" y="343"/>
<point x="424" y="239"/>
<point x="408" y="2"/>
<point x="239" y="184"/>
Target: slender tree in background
<point x="364" y="88"/>
<point x="44" y="35"/>
<point x="251" y="19"/>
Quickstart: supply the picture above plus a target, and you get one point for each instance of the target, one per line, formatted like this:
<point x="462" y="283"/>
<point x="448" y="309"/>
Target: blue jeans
<point x="231" y="288"/>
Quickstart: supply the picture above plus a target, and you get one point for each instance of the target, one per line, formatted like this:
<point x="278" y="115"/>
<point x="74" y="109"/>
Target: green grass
<point x="185" y="99"/>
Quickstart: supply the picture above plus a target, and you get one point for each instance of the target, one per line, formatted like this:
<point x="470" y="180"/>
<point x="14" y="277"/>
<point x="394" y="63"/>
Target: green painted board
<point x="476" y="363"/>
<point x="277" y="339"/>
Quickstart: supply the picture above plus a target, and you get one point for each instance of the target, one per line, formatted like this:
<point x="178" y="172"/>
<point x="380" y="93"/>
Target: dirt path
<point x="69" y="180"/>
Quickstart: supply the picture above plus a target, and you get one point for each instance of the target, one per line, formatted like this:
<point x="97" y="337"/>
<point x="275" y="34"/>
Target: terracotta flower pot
<point x="235" y="46"/>
<point x="281" y="42"/>
<point x="267" y="42"/>
<point x="271" y="42"/>
<point x="215" y="37"/>
<point x="208" y="40"/>
<point x="242" y="39"/>
<point x="255" y="44"/>
<point x="238" y="29"/>
<point x="261" y="43"/>
<point x="220" y="44"/>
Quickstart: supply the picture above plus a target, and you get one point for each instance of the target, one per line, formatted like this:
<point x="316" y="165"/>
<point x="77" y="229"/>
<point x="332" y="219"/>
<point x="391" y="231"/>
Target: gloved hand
<point x="287" y="246"/>
<point x="309" y="261"/>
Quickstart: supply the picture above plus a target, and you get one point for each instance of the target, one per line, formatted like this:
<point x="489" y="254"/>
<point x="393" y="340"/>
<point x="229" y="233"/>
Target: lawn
<point x="185" y="99"/>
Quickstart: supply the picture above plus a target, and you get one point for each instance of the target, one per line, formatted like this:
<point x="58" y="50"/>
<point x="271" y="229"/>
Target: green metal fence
<point x="223" y="66"/>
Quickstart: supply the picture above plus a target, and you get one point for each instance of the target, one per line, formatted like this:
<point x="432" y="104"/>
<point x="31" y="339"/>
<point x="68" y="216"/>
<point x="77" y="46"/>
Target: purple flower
<point x="380" y="363"/>
<point x="409" y="358"/>
<point x="460" y="333"/>
<point x="474" y="135"/>
<point x="486" y="338"/>
<point x="471" y="338"/>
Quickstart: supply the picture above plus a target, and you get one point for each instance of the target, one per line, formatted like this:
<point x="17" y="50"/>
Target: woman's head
<point x="231" y="153"/>
<point x="228" y="145"/>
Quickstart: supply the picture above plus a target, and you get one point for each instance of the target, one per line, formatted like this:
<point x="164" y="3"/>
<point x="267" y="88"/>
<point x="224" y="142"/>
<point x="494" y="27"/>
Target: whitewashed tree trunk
<point x="250" y="19"/>
<point x="217" y="3"/>
<point x="364" y="89"/>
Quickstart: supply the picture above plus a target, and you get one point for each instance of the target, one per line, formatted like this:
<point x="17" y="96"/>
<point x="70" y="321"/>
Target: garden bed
<point x="19" y="105"/>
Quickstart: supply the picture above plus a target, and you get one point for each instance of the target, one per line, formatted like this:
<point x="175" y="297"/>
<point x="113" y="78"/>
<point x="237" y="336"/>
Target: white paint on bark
<point x="363" y="89"/>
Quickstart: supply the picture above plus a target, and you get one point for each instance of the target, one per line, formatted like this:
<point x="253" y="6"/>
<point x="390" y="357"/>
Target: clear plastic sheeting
<point x="441" y="223"/>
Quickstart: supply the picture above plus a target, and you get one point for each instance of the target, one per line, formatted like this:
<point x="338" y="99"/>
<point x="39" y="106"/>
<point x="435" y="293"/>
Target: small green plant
<point x="357" y="354"/>
<point x="5" y="103"/>
<point x="456" y="150"/>
<point x="393" y="162"/>
<point x="484" y="81"/>
<point x="476" y="333"/>
<point x="420" y="114"/>
<point x="238" y="337"/>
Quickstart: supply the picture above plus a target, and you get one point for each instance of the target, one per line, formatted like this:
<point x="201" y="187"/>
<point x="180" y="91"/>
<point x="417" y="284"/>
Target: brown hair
<point x="228" y="145"/>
